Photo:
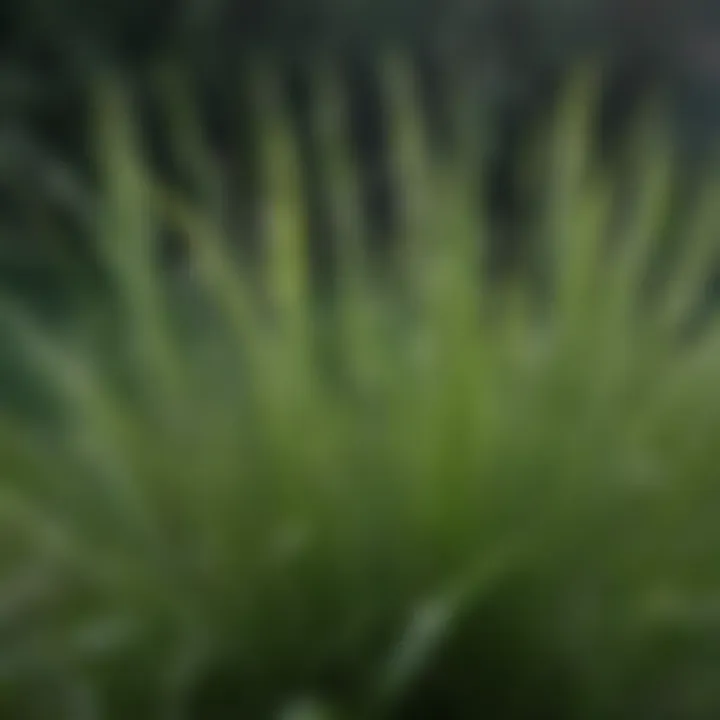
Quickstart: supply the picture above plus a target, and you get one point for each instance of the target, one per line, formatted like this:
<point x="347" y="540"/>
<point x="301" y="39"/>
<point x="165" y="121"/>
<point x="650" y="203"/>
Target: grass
<point x="430" y="499"/>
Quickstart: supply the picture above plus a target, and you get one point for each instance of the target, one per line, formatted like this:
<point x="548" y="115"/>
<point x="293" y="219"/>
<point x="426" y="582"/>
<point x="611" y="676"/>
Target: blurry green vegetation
<point x="509" y="55"/>
<point x="428" y="496"/>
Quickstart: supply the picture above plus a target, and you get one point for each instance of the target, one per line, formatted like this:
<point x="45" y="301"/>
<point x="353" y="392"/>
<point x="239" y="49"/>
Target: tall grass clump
<point x="426" y="497"/>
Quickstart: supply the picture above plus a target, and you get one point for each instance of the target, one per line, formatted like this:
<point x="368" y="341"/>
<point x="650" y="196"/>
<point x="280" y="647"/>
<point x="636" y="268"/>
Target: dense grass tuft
<point x="427" y="497"/>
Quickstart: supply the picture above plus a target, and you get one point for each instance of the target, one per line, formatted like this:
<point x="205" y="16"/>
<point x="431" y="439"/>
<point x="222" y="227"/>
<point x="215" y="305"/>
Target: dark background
<point x="513" y="54"/>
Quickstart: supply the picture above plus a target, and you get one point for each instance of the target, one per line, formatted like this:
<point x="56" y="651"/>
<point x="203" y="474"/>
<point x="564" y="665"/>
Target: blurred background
<point x="263" y="509"/>
<point x="510" y="57"/>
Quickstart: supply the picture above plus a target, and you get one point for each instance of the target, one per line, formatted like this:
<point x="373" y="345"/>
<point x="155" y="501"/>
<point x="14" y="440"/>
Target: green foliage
<point x="509" y="54"/>
<point x="428" y="497"/>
